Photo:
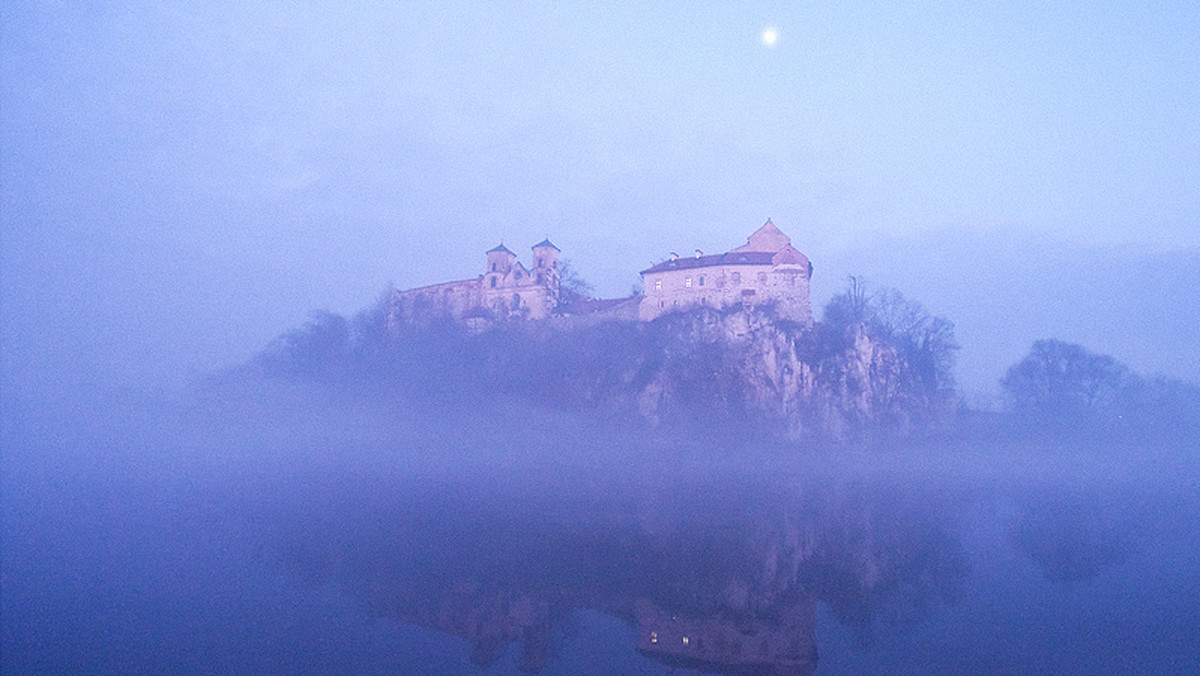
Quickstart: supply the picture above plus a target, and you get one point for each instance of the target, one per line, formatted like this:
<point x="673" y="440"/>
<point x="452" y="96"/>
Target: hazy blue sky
<point x="183" y="181"/>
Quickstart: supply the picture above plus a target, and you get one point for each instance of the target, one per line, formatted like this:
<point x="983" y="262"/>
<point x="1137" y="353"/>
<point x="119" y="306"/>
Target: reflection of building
<point x="506" y="289"/>
<point x="767" y="270"/>
<point x="785" y="646"/>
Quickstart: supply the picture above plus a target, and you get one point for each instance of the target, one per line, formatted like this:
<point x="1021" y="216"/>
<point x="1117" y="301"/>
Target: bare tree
<point x="1060" y="384"/>
<point x="572" y="286"/>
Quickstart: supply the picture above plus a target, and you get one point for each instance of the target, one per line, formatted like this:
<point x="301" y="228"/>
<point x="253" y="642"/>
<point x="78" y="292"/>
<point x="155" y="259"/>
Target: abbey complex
<point x="766" y="270"/>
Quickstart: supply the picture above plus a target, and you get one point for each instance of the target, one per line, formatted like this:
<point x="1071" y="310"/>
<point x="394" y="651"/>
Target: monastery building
<point x="506" y="290"/>
<point x="767" y="269"/>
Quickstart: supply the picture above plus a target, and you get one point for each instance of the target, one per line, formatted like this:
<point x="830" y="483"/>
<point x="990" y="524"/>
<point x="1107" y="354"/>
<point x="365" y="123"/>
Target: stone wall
<point x="785" y="286"/>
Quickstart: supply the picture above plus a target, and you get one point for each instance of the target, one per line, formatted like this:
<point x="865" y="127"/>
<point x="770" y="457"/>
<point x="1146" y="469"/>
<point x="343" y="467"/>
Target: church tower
<point x="545" y="265"/>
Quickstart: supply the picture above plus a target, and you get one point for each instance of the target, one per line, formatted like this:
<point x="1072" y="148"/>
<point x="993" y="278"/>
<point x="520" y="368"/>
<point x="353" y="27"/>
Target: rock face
<point x="742" y="370"/>
<point x="798" y="381"/>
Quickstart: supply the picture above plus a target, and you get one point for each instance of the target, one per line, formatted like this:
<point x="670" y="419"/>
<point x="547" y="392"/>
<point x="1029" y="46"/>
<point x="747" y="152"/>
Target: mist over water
<point x="181" y="181"/>
<point x="273" y="526"/>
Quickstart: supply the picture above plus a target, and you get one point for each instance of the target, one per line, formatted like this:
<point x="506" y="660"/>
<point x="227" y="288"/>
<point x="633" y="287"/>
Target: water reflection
<point x="715" y="572"/>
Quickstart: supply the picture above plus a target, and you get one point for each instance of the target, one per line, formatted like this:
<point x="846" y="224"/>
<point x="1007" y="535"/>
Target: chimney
<point x="699" y="253"/>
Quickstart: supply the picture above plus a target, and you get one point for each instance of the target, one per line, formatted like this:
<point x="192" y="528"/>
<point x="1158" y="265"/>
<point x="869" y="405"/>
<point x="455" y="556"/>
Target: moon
<point x="770" y="36"/>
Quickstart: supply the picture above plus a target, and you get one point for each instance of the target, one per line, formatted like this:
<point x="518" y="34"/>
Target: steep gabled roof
<point x="766" y="238"/>
<point x="789" y="254"/>
<point x="546" y="243"/>
<point x="500" y="248"/>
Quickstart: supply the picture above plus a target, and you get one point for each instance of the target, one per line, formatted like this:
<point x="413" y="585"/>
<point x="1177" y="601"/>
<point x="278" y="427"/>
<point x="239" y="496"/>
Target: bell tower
<point x="545" y="265"/>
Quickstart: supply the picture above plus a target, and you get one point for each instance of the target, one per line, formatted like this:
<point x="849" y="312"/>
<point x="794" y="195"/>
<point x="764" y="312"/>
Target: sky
<point x="180" y="183"/>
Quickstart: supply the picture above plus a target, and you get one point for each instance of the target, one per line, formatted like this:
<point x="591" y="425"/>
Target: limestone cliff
<point x="738" y="370"/>
<point x="741" y="369"/>
<point x="746" y="367"/>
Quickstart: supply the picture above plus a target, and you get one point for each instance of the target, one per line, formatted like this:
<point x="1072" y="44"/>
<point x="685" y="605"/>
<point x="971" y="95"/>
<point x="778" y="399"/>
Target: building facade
<point x="506" y="290"/>
<point x="766" y="270"/>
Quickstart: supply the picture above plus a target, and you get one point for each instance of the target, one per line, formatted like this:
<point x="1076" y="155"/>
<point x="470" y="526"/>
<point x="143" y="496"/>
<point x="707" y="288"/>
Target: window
<point x="701" y="280"/>
<point x="493" y="267"/>
<point x="762" y="277"/>
<point x="687" y="282"/>
<point x="658" y="285"/>
<point x="737" y="278"/>
<point x="493" y="282"/>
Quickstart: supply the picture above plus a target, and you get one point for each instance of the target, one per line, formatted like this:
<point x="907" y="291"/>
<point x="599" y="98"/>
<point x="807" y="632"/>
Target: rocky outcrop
<point x="797" y="380"/>
<point x="743" y="370"/>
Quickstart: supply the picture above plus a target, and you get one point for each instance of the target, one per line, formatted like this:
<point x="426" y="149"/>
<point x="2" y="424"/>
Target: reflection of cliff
<point x="716" y="575"/>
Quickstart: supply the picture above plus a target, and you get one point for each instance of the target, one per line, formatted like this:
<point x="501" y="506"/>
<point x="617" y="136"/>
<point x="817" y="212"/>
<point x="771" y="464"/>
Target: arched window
<point x="701" y="280"/>
<point x="493" y="282"/>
